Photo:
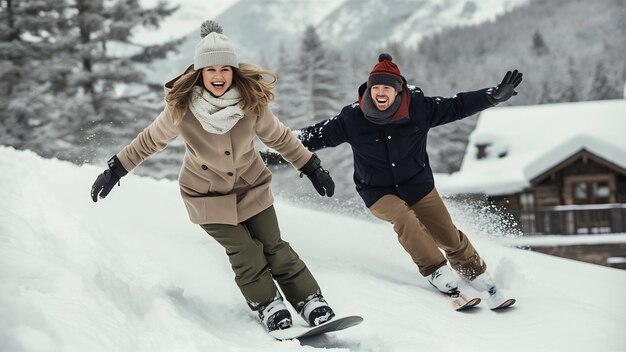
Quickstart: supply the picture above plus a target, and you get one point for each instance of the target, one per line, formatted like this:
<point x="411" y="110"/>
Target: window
<point x="580" y="192"/>
<point x="527" y="213"/>
<point x="527" y="200"/>
<point x="601" y="191"/>
<point x="481" y="150"/>
<point x="590" y="192"/>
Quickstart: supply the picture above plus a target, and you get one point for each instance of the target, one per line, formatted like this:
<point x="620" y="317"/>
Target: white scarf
<point x="216" y="114"/>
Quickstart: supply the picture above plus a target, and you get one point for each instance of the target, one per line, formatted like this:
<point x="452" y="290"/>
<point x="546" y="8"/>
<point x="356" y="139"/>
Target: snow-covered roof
<point x="525" y="141"/>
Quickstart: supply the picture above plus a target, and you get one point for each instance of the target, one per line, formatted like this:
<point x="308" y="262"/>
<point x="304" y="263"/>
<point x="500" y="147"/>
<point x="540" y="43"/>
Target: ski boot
<point x="496" y="300"/>
<point x="443" y="279"/>
<point x="316" y="311"/>
<point x="275" y="316"/>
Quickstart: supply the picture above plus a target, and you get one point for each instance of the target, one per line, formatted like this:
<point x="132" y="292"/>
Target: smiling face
<point x="383" y="96"/>
<point x="217" y="79"/>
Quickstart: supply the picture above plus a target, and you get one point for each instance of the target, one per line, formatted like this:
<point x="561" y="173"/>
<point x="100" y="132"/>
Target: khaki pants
<point x="259" y="256"/>
<point x="424" y="228"/>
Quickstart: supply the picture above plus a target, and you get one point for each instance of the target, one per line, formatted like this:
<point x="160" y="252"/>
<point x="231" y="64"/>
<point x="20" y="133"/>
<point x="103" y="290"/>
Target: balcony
<point x="578" y="219"/>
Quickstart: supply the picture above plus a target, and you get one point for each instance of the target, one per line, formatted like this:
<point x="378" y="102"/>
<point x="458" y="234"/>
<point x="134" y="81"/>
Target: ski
<point x="460" y="302"/>
<point x="496" y="303"/>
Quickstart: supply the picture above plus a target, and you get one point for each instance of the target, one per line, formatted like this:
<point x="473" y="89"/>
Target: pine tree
<point x="570" y="92"/>
<point x="74" y="74"/>
<point x="18" y="71"/>
<point x="290" y="91"/>
<point x="321" y="76"/>
<point x="601" y="87"/>
<point x="539" y="46"/>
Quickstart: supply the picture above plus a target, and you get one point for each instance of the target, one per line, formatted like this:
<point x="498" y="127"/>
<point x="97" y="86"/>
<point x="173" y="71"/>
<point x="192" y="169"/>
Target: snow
<point x="291" y="18"/>
<point x="402" y="21"/>
<point x="570" y="207"/>
<point x="535" y="138"/>
<point x="435" y="16"/>
<point x="556" y="240"/>
<point x="616" y="260"/>
<point x="131" y="273"/>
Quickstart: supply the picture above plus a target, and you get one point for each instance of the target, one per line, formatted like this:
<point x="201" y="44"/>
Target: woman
<point x="219" y="105"/>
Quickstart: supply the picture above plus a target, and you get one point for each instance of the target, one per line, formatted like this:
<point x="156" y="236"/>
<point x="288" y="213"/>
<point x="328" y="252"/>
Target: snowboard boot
<point x="485" y="283"/>
<point x="443" y="279"/>
<point x="275" y="316"/>
<point x="316" y="311"/>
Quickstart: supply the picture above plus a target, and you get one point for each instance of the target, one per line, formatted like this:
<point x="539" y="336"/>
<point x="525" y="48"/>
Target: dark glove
<point x="506" y="89"/>
<point x="106" y="180"/>
<point x="320" y="178"/>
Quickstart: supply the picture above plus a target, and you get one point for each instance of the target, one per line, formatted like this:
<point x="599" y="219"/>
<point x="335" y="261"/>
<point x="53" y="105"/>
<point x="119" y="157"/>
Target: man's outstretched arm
<point x="328" y="133"/>
<point x="444" y="110"/>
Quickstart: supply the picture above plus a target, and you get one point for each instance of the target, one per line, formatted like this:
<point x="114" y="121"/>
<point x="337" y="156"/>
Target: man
<point x="387" y="131"/>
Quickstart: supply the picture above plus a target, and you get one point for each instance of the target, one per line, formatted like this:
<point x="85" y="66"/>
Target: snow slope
<point x="130" y="273"/>
<point x="359" y="22"/>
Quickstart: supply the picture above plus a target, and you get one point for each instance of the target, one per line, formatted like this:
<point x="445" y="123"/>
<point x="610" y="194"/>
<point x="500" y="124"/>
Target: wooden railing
<point x="578" y="219"/>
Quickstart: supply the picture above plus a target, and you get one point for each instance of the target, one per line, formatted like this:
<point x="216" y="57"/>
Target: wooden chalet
<point x="558" y="168"/>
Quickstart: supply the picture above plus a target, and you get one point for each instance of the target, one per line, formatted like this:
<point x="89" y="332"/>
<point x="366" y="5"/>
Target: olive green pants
<point x="425" y="227"/>
<point x="259" y="256"/>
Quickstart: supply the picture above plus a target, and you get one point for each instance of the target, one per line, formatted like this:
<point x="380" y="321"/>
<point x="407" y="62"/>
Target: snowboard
<point x="336" y="324"/>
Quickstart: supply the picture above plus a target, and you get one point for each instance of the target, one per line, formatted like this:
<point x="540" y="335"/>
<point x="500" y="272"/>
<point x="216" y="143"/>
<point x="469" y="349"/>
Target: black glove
<point x="506" y="88"/>
<point x="106" y="180"/>
<point x="320" y="178"/>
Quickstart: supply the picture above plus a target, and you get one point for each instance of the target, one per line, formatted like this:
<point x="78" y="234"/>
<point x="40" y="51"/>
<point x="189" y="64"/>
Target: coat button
<point x="227" y="152"/>
<point x="393" y="164"/>
<point x="204" y="167"/>
<point x="229" y="173"/>
<point x="388" y="137"/>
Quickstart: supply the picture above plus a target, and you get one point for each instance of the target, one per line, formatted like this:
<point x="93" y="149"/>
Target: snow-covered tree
<point x="70" y="72"/>
<point x="290" y="91"/>
<point x="600" y="85"/>
<point x="539" y="45"/>
<point x="321" y="76"/>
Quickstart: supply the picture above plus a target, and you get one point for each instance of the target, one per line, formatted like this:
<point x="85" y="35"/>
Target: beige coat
<point x="223" y="179"/>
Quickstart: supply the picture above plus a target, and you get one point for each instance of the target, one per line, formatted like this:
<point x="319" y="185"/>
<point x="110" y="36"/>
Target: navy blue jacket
<point x="391" y="158"/>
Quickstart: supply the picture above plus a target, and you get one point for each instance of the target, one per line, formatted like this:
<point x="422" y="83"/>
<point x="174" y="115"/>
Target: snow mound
<point x="130" y="273"/>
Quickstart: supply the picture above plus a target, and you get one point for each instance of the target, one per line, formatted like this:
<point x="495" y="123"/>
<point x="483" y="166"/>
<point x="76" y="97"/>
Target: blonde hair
<point x="255" y="85"/>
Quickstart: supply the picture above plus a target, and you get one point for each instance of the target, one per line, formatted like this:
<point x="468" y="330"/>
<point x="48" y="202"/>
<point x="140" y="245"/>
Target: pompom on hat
<point x="385" y="72"/>
<point x="214" y="48"/>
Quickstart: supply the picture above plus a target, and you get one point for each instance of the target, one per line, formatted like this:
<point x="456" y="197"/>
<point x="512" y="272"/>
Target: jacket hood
<point x="169" y="84"/>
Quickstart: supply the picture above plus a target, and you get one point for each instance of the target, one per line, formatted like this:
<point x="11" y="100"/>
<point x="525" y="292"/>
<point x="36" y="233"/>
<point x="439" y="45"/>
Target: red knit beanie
<point x="385" y="72"/>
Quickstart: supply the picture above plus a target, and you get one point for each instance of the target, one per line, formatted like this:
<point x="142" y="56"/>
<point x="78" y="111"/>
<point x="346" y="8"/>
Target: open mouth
<point x="382" y="100"/>
<point x="218" y="84"/>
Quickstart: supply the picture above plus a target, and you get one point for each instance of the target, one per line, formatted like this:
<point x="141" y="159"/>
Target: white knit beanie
<point x="214" y="48"/>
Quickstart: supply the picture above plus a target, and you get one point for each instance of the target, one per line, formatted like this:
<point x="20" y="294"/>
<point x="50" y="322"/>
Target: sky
<point x="187" y="19"/>
<point x="131" y="273"/>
